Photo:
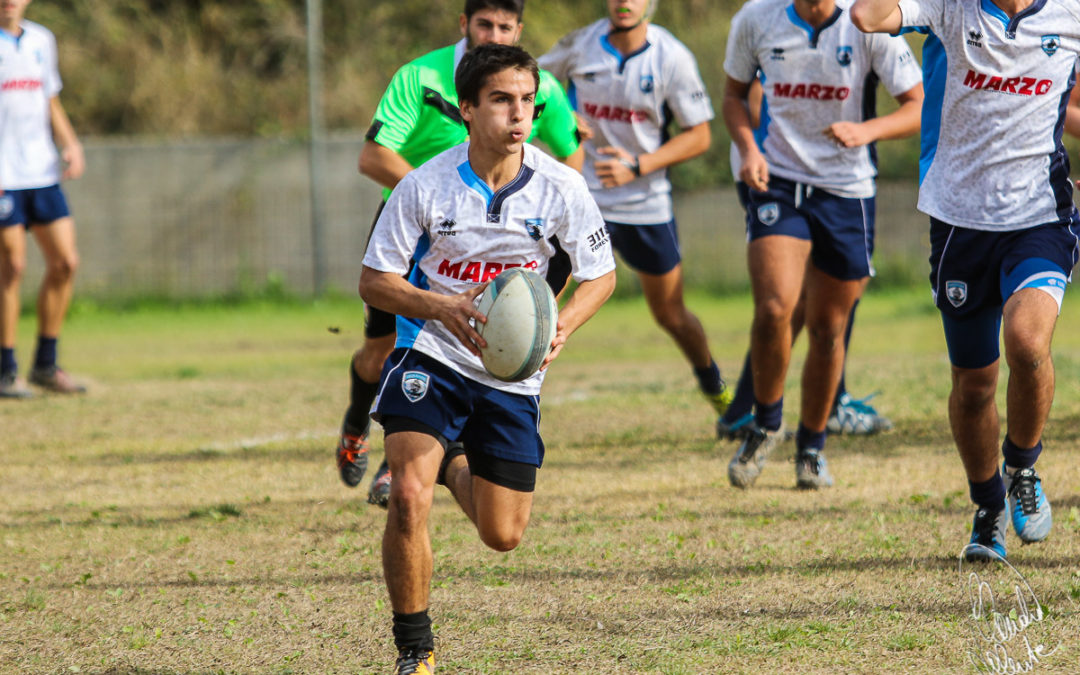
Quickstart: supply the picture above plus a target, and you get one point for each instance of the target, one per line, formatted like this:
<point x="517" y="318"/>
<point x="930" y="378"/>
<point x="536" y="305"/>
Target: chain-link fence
<point x="208" y="218"/>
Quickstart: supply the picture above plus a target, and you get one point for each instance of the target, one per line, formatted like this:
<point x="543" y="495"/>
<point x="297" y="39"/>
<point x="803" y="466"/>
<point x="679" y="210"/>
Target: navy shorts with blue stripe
<point x="840" y="229"/>
<point x="652" y="249"/>
<point x="486" y="420"/>
<point x="34" y="206"/>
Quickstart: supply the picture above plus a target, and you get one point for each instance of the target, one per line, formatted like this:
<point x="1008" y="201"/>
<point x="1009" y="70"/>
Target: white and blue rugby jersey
<point x="462" y="234"/>
<point x="28" y="80"/>
<point x="999" y="163"/>
<point x="813" y="78"/>
<point x="629" y="102"/>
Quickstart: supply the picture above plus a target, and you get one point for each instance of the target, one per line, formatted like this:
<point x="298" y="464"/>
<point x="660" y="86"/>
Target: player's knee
<point x="826" y="331"/>
<point x="12" y="271"/>
<point x="974" y="389"/>
<point x="772" y="312"/>
<point x="501" y="537"/>
<point x="672" y="319"/>
<point x="1025" y="349"/>
<point x="63" y="267"/>
<point x="409" y="503"/>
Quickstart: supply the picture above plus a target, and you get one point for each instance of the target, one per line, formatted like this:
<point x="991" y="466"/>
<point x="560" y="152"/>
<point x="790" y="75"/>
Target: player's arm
<point x="584" y="303"/>
<point x="71" y="150"/>
<point x="901" y="123"/>
<point x="877" y="16"/>
<point x="382" y="165"/>
<point x="391" y="292"/>
<point x="736" y="112"/>
<point x="624" y="167"/>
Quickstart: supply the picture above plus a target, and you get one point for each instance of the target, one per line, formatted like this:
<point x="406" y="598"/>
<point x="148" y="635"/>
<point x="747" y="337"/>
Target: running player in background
<point x="434" y="387"/>
<point x="627" y="78"/>
<point x="416" y="119"/>
<point x="1003" y="232"/>
<point x="32" y="125"/>
<point x="810" y="200"/>
<point x="849" y="415"/>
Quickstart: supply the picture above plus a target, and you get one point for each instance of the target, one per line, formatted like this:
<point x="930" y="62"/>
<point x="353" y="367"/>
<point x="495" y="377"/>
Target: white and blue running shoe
<point x="1028" y="506"/>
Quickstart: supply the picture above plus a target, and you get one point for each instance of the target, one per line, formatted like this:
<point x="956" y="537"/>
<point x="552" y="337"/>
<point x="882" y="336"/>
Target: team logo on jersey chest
<point x="535" y="228"/>
<point x="956" y="292"/>
<point x="843" y="55"/>
<point x="1050" y="44"/>
<point x="414" y="384"/>
<point x="768" y="214"/>
<point x="647" y="84"/>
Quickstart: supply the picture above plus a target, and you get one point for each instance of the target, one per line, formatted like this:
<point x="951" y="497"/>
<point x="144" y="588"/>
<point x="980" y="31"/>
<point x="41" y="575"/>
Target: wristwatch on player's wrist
<point x="634" y="166"/>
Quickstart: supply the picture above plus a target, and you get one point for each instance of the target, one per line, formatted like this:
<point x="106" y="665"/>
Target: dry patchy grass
<point x="186" y="516"/>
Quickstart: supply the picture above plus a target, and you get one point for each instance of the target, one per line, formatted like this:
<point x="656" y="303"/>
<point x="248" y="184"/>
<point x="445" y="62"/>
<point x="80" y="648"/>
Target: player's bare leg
<point x="664" y="295"/>
<point x="1028" y="324"/>
<point x="57" y="242"/>
<point x="406" y="550"/>
<point x="12" y="268"/>
<point x="499" y="513"/>
<point x="777" y="267"/>
<point x="828" y="305"/>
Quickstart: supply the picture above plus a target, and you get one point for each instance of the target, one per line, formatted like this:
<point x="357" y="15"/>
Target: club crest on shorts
<point x="956" y="292"/>
<point x="415" y="385"/>
<point x="7" y="205"/>
<point x="843" y="55"/>
<point x="769" y="213"/>
<point x="535" y="228"/>
<point x="1050" y="44"/>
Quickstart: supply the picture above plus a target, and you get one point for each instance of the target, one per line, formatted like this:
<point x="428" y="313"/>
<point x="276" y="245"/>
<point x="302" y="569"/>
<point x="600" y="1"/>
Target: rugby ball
<point x="521" y="315"/>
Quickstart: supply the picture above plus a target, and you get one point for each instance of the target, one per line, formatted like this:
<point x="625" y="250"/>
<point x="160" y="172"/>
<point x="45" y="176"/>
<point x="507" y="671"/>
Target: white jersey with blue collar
<point x="462" y="234"/>
<point x="811" y="79"/>
<point x="629" y="102"/>
<point x="28" y="80"/>
<point x="999" y="163"/>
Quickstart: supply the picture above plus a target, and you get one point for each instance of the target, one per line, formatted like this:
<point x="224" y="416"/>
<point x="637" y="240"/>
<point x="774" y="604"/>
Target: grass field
<point x="186" y="515"/>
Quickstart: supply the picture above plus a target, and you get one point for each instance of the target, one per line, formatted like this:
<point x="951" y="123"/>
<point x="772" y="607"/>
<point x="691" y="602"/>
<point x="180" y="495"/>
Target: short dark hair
<point x="515" y="6"/>
<point x="480" y="63"/>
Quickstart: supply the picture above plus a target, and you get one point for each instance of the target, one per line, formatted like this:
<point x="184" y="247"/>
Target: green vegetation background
<point x="190" y="68"/>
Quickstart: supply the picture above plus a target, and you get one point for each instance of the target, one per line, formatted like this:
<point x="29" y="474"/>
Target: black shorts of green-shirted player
<point x="496" y="86"/>
<point x="416" y="119"/>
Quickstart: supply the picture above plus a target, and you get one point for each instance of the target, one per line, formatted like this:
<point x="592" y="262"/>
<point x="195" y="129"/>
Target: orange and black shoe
<point x="352" y="456"/>
<point x="379" y="492"/>
<point x="415" y="662"/>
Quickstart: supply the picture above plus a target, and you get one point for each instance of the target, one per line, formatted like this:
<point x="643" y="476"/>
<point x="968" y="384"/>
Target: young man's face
<point x="12" y="9"/>
<point x="626" y="14"/>
<point x="491" y="26"/>
<point x="502" y="119"/>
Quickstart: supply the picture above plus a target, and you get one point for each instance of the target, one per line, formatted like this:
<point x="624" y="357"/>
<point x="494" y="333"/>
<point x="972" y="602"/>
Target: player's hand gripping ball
<point x="521" y="318"/>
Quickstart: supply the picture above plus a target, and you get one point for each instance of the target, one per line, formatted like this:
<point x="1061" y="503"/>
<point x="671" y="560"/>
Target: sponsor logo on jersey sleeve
<point x="598" y="239"/>
<point x="415" y="385"/>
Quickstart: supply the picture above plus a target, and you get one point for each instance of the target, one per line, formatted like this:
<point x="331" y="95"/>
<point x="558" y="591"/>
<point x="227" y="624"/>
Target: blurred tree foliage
<point x="185" y="68"/>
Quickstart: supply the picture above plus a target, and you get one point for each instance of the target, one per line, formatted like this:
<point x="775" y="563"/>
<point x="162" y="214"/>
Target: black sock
<point x="7" y="361"/>
<point x="744" y="394"/>
<point x="769" y="416"/>
<point x="809" y="440"/>
<point x="46" y="352"/>
<point x="413" y="631"/>
<point x="709" y="378"/>
<point x="1017" y="457"/>
<point x="361" y="396"/>
<point x="989" y="494"/>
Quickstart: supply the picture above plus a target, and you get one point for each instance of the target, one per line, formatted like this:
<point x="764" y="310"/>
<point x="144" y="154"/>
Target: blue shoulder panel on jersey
<point x="935" y="67"/>
<point x="993" y="10"/>
<point x="472" y="180"/>
<point x="409" y="328"/>
<point x="762" y="131"/>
